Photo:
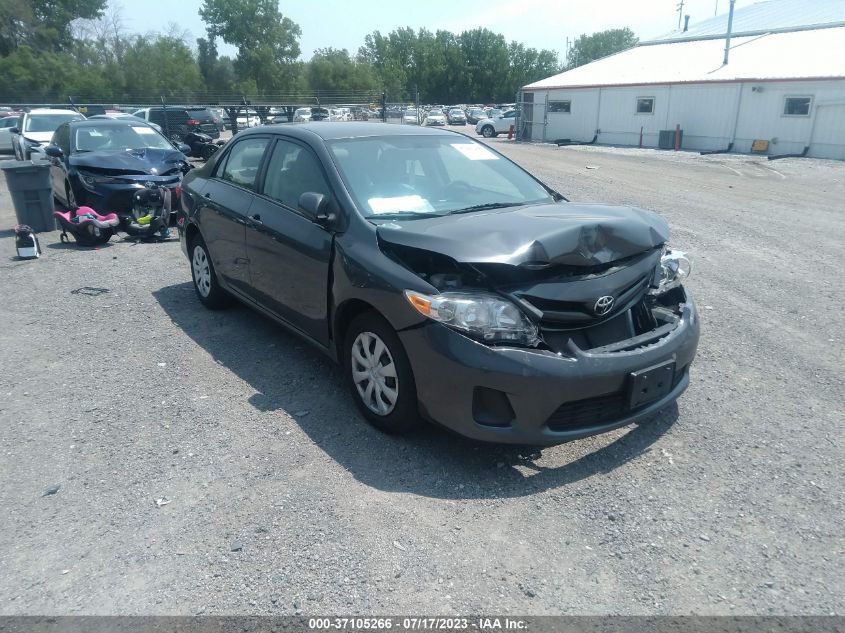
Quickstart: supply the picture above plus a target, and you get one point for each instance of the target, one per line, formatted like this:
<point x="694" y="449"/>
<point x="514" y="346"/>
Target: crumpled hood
<point x="143" y="160"/>
<point x="564" y="233"/>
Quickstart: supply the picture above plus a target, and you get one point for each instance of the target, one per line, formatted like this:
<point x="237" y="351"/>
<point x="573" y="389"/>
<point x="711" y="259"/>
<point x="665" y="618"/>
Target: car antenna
<point x="72" y="104"/>
<point x="164" y="115"/>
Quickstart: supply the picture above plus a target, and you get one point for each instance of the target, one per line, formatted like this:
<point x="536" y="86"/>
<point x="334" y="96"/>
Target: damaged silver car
<point x="450" y="284"/>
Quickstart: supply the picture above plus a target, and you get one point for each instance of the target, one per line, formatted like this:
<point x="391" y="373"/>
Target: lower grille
<point x="571" y="416"/>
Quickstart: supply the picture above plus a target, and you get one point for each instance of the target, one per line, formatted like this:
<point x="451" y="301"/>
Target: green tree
<point x="588" y="48"/>
<point x="334" y="71"/>
<point x="267" y="42"/>
<point x="160" y="65"/>
<point x="486" y="56"/>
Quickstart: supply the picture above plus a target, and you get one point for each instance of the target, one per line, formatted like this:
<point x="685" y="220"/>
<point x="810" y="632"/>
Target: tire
<point x="488" y="131"/>
<point x="208" y="289"/>
<point x="389" y="371"/>
<point x="72" y="204"/>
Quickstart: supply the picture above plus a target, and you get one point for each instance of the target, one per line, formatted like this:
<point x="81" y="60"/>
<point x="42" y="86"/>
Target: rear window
<point x="200" y="113"/>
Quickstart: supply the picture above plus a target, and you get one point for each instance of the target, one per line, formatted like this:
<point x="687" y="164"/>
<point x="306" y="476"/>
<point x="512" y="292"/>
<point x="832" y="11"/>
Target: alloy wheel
<point x="374" y="373"/>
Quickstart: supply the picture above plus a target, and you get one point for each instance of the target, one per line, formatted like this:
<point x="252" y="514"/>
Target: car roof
<point x="52" y="111"/>
<point x="109" y="122"/>
<point x="353" y="129"/>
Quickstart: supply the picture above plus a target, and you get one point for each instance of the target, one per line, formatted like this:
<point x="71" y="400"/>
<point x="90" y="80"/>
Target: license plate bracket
<point x="650" y="384"/>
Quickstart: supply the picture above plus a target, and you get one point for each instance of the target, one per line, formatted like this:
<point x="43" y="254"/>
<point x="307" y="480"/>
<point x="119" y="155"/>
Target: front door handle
<point x="256" y="218"/>
<point x="208" y="195"/>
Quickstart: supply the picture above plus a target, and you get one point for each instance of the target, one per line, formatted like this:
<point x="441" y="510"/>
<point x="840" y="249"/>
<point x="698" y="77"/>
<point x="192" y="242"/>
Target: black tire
<point x="488" y="131"/>
<point x="208" y="289"/>
<point x="404" y="415"/>
<point x="72" y="204"/>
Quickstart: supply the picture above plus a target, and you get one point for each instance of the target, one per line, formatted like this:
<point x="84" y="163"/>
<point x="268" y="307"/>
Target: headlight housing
<point x="90" y="180"/>
<point x="674" y="268"/>
<point x="485" y="317"/>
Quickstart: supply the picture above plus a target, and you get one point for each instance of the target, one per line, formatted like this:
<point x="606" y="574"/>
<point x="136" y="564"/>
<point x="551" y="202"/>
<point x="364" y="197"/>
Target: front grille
<point x="571" y="416"/>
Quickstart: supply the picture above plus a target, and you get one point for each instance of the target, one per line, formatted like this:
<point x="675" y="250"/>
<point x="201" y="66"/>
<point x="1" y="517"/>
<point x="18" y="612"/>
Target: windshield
<point x="118" y="138"/>
<point x="48" y="122"/>
<point x="417" y="176"/>
<point x="436" y="113"/>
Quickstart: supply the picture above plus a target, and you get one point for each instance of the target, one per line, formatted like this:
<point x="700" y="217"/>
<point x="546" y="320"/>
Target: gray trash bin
<point x="32" y="193"/>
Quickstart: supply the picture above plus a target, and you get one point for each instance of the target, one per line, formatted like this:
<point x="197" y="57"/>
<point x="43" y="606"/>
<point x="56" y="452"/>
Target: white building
<point x="784" y="83"/>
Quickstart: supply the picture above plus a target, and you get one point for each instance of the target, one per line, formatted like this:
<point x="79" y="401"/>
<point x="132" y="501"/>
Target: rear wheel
<point x="204" y="276"/>
<point x="379" y="374"/>
<point x="488" y="131"/>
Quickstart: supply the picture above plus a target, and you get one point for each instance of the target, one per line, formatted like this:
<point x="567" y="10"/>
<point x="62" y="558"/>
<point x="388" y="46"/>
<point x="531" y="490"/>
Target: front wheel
<point x="208" y="289"/>
<point x="488" y="131"/>
<point x="379" y="375"/>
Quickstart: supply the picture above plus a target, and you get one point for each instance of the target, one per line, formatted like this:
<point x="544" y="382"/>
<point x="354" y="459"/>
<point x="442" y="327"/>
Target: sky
<point x="536" y="23"/>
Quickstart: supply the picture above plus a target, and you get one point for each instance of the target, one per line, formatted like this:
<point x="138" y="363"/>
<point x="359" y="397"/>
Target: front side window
<point x="645" y="105"/>
<point x="797" y="106"/>
<point x="62" y="138"/>
<point x="292" y="171"/>
<point x="243" y="161"/>
<point x="564" y="107"/>
<point x="415" y="176"/>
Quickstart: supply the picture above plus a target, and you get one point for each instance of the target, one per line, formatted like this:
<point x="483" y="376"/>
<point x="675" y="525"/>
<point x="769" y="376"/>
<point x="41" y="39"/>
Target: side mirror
<point x="54" y="151"/>
<point x="317" y="208"/>
<point x="14" y="130"/>
<point x="185" y="149"/>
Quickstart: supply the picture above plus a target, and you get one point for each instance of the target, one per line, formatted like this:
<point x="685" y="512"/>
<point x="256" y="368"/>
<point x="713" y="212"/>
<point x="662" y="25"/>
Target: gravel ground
<point x="276" y="497"/>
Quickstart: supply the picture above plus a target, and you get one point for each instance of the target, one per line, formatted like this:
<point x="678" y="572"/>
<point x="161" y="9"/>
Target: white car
<point x="6" y="124"/>
<point x="35" y="129"/>
<point x="247" y="119"/>
<point x="488" y="128"/>
<point x="410" y="117"/>
<point x="302" y="115"/>
<point x="336" y="114"/>
<point x="435" y="117"/>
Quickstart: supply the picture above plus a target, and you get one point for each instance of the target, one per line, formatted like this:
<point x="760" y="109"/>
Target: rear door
<point x="288" y="254"/>
<point x="225" y="203"/>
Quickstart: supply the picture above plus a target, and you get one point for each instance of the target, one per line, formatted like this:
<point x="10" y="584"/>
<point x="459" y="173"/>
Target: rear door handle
<point x="208" y="195"/>
<point x="256" y="218"/>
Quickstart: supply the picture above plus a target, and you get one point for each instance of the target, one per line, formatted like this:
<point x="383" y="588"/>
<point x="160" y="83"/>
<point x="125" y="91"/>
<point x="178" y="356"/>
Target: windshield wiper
<point x="485" y="207"/>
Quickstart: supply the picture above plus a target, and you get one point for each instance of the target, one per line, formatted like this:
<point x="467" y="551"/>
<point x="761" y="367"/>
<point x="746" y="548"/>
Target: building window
<point x="560" y="106"/>
<point x="797" y="106"/>
<point x="645" y="105"/>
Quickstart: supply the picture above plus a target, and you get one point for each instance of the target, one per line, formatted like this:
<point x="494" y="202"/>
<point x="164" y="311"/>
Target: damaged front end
<point x="562" y="309"/>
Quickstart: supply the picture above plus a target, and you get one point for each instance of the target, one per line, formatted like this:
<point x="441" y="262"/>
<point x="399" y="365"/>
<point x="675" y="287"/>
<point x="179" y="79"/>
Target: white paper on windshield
<point x="398" y="204"/>
<point x="474" y="151"/>
<point x="143" y="130"/>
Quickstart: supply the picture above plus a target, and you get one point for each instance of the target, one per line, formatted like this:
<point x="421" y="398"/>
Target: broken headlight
<point x="485" y="317"/>
<point x="672" y="271"/>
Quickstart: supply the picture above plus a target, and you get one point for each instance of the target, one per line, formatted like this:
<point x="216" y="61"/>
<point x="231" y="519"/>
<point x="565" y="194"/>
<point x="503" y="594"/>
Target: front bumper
<point x="117" y="197"/>
<point x="538" y="397"/>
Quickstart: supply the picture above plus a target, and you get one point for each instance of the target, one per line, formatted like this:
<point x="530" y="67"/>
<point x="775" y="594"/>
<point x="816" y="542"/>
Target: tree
<point x="486" y="56"/>
<point x="334" y="71"/>
<point x="589" y="48"/>
<point x="267" y="42"/>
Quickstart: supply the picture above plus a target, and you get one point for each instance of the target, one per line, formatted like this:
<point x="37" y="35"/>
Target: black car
<point x="101" y="163"/>
<point x="456" y="116"/>
<point x="177" y="123"/>
<point x="449" y="283"/>
<point x="474" y="115"/>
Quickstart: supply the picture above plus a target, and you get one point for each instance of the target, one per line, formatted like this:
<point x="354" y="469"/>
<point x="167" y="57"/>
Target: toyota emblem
<point x="603" y="305"/>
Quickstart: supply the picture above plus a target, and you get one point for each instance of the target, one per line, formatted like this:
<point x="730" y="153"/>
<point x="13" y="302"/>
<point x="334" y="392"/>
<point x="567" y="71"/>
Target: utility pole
<point x="728" y="35"/>
<point x="680" y="10"/>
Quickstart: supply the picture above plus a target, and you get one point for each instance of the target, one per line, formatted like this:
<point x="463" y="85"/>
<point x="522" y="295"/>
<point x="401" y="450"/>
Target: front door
<point x="289" y="255"/>
<point x="226" y="200"/>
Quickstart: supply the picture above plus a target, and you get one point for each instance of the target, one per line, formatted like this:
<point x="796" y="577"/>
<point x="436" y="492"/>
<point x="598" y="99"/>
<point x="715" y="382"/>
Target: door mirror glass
<point x="184" y="148"/>
<point x="54" y="151"/>
<point x="15" y="130"/>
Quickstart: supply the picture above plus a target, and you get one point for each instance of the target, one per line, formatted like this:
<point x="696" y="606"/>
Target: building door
<point x="828" y="139"/>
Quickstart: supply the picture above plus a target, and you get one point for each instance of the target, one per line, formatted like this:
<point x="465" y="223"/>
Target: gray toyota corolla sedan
<point x="449" y="283"/>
